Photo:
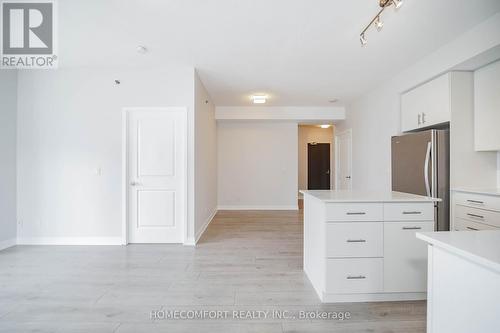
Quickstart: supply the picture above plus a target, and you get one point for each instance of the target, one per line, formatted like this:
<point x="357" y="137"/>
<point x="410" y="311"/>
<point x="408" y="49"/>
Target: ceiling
<point x="299" y="52"/>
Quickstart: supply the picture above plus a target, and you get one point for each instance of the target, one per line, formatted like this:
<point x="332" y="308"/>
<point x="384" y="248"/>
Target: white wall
<point x="313" y="133"/>
<point x="375" y="117"/>
<point x="69" y="125"/>
<point x="8" y="101"/>
<point x="257" y="165"/>
<point x="206" y="159"/>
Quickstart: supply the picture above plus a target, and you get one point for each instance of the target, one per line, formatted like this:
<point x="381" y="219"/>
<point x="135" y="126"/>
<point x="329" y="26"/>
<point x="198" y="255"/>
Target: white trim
<point x="125" y="117"/>
<point x="70" y="241"/>
<point x="229" y="207"/>
<point x="193" y="241"/>
<point x="337" y="159"/>
<point x="372" y="297"/>
<point x="288" y="113"/>
<point x="5" y="244"/>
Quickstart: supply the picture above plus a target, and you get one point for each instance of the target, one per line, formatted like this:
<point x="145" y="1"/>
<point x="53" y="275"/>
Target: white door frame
<point x="125" y="174"/>
<point x="347" y="132"/>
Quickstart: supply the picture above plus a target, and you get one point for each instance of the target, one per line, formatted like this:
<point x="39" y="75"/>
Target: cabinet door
<point x="405" y="256"/>
<point x="411" y="108"/>
<point x="487" y="107"/>
<point x="429" y="103"/>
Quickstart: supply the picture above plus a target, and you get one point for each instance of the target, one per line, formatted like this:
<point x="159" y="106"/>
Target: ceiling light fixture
<point x="324" y="126"/>
<point x="376" y="21"/>
<point x="397" y="3"/>
<point x="379" y="24"/>
<point x="362" y="39"/>
<point x="259" y="99"/>
<point x="142" y="49"/>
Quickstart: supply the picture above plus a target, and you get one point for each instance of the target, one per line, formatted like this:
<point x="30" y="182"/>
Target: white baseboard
<point x="70" y="241"/>
<point x="374" y="297"/>
<point x="293" y="207"/>
<point x="193" y="241"/>
<point x="7" y="243"/>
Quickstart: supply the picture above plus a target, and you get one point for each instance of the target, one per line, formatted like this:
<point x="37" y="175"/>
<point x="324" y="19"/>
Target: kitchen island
<point x="361" y="246"/>
<point x="464" y="281"/>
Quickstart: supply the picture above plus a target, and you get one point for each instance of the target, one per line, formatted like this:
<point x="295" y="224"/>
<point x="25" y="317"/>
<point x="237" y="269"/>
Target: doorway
<point x="155" y="175"/>
<point x="343" y="160"/>
<point x="318" y="166"/>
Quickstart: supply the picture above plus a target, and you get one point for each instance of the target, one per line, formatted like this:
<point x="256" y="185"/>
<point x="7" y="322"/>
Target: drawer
<point x="409" y="211"/>
<point x="361" y="275"/>
<point x="354" y="212"/>
<point x="466" y="225"/>
<point x="477" y="200"/>
<point x="362" y="239"/>
<point x="478" y="215"/>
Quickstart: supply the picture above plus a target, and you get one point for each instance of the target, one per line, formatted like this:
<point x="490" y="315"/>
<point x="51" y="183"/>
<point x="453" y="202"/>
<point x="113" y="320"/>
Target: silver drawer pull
<point x="360" y="277"/>
<point x="475" y="215"/>
<point x="476" y="202"/>
<point x="356" y="213"/>
<point x="412" y="213"/>
<point x="474" y="229"/>
<point x="356" y="241"/>
<point x="412" y="228"/>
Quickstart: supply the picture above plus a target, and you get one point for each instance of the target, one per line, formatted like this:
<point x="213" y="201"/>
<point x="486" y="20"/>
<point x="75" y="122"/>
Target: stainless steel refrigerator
<point x="421" y="165"/>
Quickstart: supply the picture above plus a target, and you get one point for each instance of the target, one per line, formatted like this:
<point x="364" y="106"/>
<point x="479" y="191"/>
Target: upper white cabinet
<point x="487" y="107"/>
<point x="427" y="105"/>
<point x="432" y="103"/>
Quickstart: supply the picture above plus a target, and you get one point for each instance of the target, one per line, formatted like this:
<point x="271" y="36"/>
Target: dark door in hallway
<point x="318" y="166"/>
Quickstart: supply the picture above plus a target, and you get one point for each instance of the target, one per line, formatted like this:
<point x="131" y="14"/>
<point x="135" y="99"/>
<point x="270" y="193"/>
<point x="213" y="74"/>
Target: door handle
<point x="133" y="183"/>
<point x="426" y="169"/>
<point x="328" y="172"/>
<point x="423" y="117"/>
<point x="412" y="228"/>
<point x="419" y="119"/>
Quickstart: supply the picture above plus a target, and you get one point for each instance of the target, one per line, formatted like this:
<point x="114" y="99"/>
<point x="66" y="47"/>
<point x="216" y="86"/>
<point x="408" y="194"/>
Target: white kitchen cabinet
<point x="474" y="210"/>
<point x="361" y="246"/>
<point x="405" y="259"/>
<point x="431" y="103"/>
<point x="463" y="293"/>
<point x="487" y="108"/>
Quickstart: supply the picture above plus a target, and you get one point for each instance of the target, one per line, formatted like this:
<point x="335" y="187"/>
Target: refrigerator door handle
<point x="426" y="169"/>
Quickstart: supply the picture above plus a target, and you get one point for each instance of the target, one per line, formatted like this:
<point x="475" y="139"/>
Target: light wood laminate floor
<point x="248" y="261"/>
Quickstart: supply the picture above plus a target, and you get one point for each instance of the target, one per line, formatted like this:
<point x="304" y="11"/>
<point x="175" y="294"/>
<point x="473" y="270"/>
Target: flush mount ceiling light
<point x="142" y="49"/>
<point x="259" y="99"/>
<point x="325" y="126"/>
<point x="377" y="21"/>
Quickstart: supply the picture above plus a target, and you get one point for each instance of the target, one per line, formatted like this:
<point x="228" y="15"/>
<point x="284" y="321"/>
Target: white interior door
<point x="156" y="175"/>
<point x="343" y="158"/>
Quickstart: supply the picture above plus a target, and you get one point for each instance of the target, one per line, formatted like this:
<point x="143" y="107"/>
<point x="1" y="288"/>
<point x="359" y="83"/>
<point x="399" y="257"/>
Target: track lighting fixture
<point x="377" y="21"/>
<point x="362" y="39"/>
<point x="397" y="3"/>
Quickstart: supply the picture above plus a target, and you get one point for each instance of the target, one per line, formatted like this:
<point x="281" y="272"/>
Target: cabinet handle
<point x="475" y="215"/>
<point x="411" y="213"/>
<point x="356" y="241"/>
<point x="474" y="229"/>
<point x="476" y="202"/>
<point x="356" y="213"/>
<point x="419" y="117"/>
<point x="423" y="117"/>
<point x="412" y="228"/>
<point x="360" y="277"/>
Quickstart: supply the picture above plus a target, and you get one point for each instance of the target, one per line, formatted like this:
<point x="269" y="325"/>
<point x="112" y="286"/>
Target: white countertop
<point x="366" y="196"/>
<point x="482" y="247"/>
<point x="485" y="191"/>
